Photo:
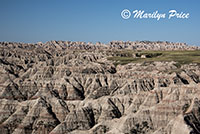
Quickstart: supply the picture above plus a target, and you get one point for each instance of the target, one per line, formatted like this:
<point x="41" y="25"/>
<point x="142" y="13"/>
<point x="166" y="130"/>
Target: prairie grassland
<point x="181" y="57"/>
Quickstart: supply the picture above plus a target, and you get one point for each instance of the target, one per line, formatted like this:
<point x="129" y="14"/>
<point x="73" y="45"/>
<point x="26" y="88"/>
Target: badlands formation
<point x="63" y="87"/>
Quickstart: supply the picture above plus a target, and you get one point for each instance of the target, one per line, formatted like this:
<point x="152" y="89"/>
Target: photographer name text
<point x="141" y="14"/>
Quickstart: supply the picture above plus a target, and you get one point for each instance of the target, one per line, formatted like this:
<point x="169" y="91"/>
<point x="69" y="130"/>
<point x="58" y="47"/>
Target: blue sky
<point x="96" y="20"/>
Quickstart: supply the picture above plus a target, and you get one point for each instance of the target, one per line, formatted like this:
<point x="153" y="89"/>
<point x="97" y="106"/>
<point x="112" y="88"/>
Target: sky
<point x="32" y="21"/>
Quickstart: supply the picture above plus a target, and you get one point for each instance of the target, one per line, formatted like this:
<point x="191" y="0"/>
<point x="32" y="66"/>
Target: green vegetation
<point x="181" y="57"/>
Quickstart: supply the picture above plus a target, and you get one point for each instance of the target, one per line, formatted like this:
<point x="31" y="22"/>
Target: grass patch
<point x="181" y="57"/>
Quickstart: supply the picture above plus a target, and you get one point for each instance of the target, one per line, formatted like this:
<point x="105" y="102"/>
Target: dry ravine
<point x="72" y="88"/>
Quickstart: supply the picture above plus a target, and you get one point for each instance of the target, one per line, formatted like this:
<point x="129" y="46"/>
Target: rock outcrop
<point x="62" y="87"/>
